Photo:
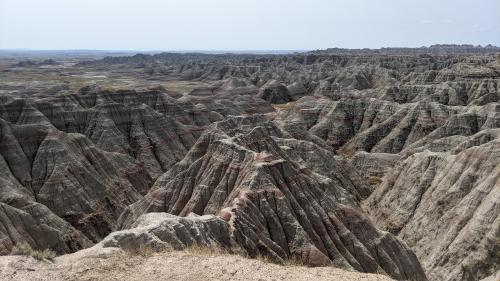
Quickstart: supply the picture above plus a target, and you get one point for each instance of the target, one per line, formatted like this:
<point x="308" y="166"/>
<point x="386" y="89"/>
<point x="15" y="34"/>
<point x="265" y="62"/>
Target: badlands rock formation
<point x="382" y="161"/>
<point x="87" y="157"/>
<point x="273" y="203"/>
<point x="454" y="197"/>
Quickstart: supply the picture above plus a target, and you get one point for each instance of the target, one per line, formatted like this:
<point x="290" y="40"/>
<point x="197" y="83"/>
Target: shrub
<point x="46" y="254"/>
<point x="144" y="251"/>
<point x="288" y="262"/>
<point x="21" y="249"/>
<point x="24" y="249"/>
<point x="204" y="250"/>
<point x="374" y="180"/>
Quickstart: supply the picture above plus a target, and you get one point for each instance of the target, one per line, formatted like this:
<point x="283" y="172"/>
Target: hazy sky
<point x="245" y="24"/>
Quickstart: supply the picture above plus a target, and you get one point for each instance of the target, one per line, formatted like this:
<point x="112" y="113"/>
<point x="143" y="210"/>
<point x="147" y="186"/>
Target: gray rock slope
<point x="71" y="164"/>
<point x="454" y="198"/>
<point x="362" y="159"/>
<point x="274" y="204"/>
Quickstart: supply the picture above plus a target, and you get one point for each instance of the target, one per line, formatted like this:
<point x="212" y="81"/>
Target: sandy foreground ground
<point x="116" y="265"/>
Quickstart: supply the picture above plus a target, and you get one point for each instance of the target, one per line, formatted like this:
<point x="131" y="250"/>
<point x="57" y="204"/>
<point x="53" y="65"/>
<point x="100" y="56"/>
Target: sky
<point x="172" y="25"/>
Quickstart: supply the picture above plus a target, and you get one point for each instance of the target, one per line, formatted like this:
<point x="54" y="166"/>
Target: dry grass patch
<point x="195" y="249"/>
<point x="201" y="250"/>
<point x="374" y="180"/>
<point x="294" y="262"/>
<point x="291" y="261"/>
<point x="283" y="106"/>
<point x="24" y="249"/>
<point x="182" y="86"/>
<point x="144" y="251"/>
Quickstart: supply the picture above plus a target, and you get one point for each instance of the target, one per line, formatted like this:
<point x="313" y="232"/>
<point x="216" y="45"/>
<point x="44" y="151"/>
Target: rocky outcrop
<point x="162" y="231"/>
<point x="74" y="179"/>
<point x="382" y="127"/>
<point x="70" y="164"/>
<point x="275" y="93"/>
<point x="373" y="165"/>
<point x="445" y="206"/>
<point x="273" y="205"/>
<point x="36" y="225"/>
<point x="395" y="75"/>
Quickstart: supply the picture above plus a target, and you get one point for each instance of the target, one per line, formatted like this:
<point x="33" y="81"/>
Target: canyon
<point x="378" y="161"/>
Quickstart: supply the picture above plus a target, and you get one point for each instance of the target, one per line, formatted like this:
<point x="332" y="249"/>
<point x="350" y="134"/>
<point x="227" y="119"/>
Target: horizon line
<point x="242" y="50"/>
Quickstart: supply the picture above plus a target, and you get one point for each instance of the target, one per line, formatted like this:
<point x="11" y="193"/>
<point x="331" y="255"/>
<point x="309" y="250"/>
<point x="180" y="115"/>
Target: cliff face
<point x="274" y="202"/>
<point x="445" y="206"/>
<point x="71" y="164"/>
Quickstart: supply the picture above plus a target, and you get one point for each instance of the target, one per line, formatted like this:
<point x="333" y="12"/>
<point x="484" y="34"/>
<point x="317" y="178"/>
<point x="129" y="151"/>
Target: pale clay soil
<point x="113" y="264"/>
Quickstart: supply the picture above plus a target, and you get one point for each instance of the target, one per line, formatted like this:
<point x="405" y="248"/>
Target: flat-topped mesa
<point x="275" y="206"/>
